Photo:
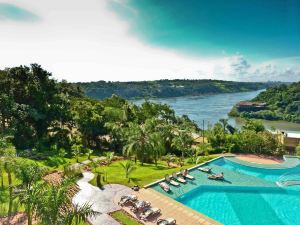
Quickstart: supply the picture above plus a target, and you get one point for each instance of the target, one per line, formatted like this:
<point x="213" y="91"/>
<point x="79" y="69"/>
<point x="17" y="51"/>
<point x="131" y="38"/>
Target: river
<point x="211" y="108"/>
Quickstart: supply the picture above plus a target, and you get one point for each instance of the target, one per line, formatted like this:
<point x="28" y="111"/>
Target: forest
<point x="283" y="103"/>
<point x="167" y="88"/>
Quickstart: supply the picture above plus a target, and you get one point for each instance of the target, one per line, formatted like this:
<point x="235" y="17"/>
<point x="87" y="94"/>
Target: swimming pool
<point x="248" y="196"/>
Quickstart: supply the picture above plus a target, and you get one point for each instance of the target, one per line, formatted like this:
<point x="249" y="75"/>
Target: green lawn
<point x="123" y="218"/>
<point x="143" y="175"/>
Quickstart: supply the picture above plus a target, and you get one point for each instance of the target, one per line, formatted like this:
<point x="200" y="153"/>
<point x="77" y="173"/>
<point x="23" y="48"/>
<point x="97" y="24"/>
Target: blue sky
<point x="260" y="29"/>
<point x="91" y="40"/>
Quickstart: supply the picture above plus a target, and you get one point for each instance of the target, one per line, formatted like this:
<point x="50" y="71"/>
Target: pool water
<point x="249" y="195"/>
<point x="263" y="173"/>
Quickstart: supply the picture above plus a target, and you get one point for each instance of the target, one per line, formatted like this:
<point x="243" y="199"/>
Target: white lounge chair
<point x="139" y="205"/>
<point x="168" y="221"/>
<point x="185" y="174"/>
<point x="126" y="199"/>
<point x="165" y="186"/>
<point x="204" y="169"/>
<point x="170" y="181"/>
<point x="219" y="176"/>
<point x="179" y="179"/>
<point x="149" y="212"/>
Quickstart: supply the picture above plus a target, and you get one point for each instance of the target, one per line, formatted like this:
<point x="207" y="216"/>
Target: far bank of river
<point x="211" y="108"/>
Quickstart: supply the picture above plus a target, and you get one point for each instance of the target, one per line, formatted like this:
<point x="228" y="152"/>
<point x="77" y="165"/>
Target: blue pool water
<point x="248" y="196"/>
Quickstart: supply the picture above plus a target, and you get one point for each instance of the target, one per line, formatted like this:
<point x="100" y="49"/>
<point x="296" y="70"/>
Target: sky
<point x="131" y="40"/>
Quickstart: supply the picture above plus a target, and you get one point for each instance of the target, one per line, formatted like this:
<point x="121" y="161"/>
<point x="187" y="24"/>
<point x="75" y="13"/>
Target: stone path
<point x="102" y="201"/>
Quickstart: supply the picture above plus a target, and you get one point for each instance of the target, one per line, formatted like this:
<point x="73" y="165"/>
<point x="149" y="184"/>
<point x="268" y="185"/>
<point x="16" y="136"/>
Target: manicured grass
<point x="123" y="218"/>
<point x="143" y="175"/>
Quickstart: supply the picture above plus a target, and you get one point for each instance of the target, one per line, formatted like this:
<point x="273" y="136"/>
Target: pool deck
<point x="170" y="208"/>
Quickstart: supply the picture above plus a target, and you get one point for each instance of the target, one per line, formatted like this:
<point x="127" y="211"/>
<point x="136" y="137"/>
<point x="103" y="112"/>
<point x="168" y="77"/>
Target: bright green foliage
<point x="30" y="174"/>
<point x="123" y="218"/>
<point x="166" y="88"/>
<point x="128" y="168"/>
<point x="298" y="150"/>
<point x="253" y="138"/>
<point x="35" y="106"/>
<point x="54" y="206"/>
<point x="109" y="157"/>
<point x="143" y="143"/>
<point x="169" y="159"/>
<point x="143" y="175"/>
<point x="283" y="103"/>
<point x="76" y="151"/>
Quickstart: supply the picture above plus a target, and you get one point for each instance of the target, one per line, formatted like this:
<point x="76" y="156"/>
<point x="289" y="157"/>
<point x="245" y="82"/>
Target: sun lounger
<point x="170" y="181"/>
<point x="219" y="176"/>
<point x="165" y="186"/>
<point x="149" y="212"/>
<point x="168" y="221"/>
<point x="140" y="205"/>
<point x="204" y="169"/>
<point x="185" y="174"/>
<point x="126" y="199"/>
<point x="179" y="179"/>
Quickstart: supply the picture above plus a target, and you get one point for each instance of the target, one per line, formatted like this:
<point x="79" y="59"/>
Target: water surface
<point x="211" y="108"/>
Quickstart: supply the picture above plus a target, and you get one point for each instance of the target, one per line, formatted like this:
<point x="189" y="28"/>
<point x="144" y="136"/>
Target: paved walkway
<point x="101" y="200"/>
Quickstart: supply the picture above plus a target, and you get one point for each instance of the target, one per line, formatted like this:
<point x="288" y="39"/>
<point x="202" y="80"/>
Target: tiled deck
<point x="171" y="208"/>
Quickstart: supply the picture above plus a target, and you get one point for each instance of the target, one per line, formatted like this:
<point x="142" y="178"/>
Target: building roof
<point x="246" y="103"/>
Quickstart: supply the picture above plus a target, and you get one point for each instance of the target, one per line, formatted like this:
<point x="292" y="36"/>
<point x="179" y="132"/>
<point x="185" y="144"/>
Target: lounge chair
<point x="185" y="174"/>
<point x="126" y="199"/>
<point x="147" y="212"/>
<point x="204" y="169"/>
<point x="165" y="186"/>
<point x="179" y="179"/>
<point x="172" y="182"/>
<point x="168" y="221"/>
<point x="219" y="176"/>
<point x="139" y="205"/>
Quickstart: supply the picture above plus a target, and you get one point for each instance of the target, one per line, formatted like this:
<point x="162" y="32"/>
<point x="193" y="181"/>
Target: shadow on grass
<point x="135" y="180"/>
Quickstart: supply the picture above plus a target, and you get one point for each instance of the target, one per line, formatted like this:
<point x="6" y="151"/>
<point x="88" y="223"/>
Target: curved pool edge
<point x="289" y="162"/>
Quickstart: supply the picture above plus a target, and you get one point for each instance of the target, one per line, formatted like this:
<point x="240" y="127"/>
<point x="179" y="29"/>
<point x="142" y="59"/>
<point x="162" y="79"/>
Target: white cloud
<point x="83" y="41"/>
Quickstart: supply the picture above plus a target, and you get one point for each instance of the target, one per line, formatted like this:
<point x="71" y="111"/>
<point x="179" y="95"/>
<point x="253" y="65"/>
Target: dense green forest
<point x="283" y="103"/>
<point x="166" y="88"/>
<point x="43" y="117"/>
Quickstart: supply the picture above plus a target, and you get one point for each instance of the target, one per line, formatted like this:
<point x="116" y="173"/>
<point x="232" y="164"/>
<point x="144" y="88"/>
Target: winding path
<point x="102" y="201"/>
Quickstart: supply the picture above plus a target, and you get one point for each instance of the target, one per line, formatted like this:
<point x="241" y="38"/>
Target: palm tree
<point x="224" y="123"/>
<point x="30" y="198"/>
<point x="109" y="157"/>
<point x="138" y="144"/>
<point x="158" y="147"/>
<point x="55" y="206"/>
<point x="29" y="174"/>
<point x="80" y="214"/>
<point x="169" y="159"/>
<point x="9" y="168"/>
<point x="144" y="142"/>
<point x="76" y="151"/>
<point x="128" y="167"/>
<point x="89" y="153"/>
<point x="2" y="174"/>
<point x="182" y="141"/>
